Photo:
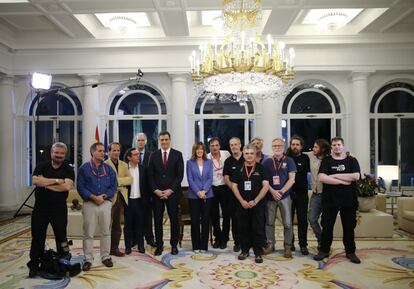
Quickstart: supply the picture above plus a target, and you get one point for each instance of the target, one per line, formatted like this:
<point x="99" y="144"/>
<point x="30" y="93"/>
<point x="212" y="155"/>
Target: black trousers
<point x="200" y="222"/>
<point x="348" y="219"/>
<point x="134" y="223"/>
<point x="300" y="202"/>
<point x="221" y="199"/>
<point x="251" y="224"/>
<point x="57" y="216"/>
<point x="172" y="209"/>
<point x="148" y="216"/>
<point x="234" y="226"/>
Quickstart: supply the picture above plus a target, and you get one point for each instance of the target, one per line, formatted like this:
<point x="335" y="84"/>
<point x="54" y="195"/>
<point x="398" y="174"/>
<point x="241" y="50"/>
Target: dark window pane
<point x="218" y="107"/>
<point x="137" y="103"/>
<point x="224" y="129"/>
<point x="394" y="85"/>
<point x="310" y="130"/>
<point x="396" y="101"/>
<point x="137" y="88"/>
<point x="407" y="156"/>
<point x="387" y="142"/>
<point x="372" y="145"/>
<point x="311" y="102"/>
<point x="197" y="130"/>
<point x="129" y="128"/>
<point x="53" y="103"/>
<point x="312" y="85"/>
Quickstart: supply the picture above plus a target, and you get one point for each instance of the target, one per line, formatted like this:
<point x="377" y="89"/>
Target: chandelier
<point x="243" y="64"/>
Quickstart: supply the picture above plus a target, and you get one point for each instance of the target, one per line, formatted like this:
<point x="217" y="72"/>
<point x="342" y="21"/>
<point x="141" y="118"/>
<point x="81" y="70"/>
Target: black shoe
<point x="353" y="258"/>
<point x="108" y="263"/>
<point x="293" y="248"/>
<point x="158" y="251"/>
<point x="216" y="244"/>
<point x="223" y="245"/>
<point x="141" y="249"/>
<point x="236" y="248"/>
<point x="320" y="256"/>
<point x="34" y="272"/>
<point x="243" y="256"/>
<point x="258" y="259"/>
<point x="174" y="250"/>
<point x="86" y="266"/>
<point x="128" y="251"/>
<point x="304" y="251"/>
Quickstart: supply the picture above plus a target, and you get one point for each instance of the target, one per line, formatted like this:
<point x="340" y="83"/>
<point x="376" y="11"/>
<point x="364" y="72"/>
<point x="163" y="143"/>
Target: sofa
<point x="405" y="214"/>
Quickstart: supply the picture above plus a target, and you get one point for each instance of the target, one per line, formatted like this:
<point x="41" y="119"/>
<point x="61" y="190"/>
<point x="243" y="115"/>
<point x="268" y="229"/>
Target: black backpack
<point x="54" y="267"/>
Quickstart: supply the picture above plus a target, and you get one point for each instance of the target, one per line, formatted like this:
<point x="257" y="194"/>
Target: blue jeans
<point x="315" y="210"/>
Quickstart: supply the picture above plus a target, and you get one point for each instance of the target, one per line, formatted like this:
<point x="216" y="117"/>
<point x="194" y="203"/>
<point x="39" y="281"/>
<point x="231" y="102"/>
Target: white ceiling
<point x="71" y="23"/>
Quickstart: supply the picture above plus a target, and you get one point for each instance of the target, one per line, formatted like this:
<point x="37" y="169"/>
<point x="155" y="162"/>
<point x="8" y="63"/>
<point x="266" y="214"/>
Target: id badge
<point x="247" y="185"/>
<point x="276" y="180"/>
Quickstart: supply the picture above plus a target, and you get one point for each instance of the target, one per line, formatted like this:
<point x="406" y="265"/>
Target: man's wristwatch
<point x="56" y="182"/>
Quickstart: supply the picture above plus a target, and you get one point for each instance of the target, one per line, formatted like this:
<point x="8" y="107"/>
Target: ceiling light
<point x="332" y="21"/>
<point x="123" y="22"/>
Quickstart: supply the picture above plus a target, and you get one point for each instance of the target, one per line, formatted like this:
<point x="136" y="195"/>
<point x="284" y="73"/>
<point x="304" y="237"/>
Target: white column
<point x="360" y="133"/>
<point x="8" y="196"/>
<point x="271" y="123"/>
<point x="179" y="121"/>
<point x="90" y="111"/>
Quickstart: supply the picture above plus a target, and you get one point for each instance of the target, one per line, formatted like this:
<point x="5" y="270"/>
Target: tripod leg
<point x="24" y="204"/>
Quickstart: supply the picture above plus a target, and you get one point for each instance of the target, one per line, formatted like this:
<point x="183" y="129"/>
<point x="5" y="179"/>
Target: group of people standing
<point x="242" y="191"/>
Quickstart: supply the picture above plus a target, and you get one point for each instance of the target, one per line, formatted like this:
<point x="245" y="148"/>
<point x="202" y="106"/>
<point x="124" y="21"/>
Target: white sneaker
<point x="197" y="251"/>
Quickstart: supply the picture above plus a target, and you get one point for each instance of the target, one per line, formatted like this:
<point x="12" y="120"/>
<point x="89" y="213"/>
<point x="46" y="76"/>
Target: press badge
<point x="247" y="185"/>
<point x="276" y="180"/>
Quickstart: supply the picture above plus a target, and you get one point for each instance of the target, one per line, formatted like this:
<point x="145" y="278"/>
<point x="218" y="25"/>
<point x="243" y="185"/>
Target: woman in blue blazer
<point x="200" y="179"/>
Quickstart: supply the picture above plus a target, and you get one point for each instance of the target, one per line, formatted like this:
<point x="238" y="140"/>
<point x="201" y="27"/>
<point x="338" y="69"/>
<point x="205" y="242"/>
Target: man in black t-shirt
<point x="53" y="180"/>
<point x="299" y="194"/>
<point x="250" y="184"/>
<point x="231" y="164"/>
<point x="338" y="174"/>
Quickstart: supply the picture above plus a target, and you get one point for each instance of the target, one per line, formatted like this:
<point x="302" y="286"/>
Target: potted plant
<point x="367" y="188"/>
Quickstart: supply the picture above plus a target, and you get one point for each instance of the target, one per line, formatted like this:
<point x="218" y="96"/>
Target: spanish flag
<point x="96" y="134"/>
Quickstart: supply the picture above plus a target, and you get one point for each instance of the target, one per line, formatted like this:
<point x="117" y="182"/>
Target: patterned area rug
<point x="14" y="227"/>
<point x="385" y="264"/>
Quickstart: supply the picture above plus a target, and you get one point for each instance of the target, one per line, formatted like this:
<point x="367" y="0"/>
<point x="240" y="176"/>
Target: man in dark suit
<point x="165" y="173"/>
<point x="144" y="155"/>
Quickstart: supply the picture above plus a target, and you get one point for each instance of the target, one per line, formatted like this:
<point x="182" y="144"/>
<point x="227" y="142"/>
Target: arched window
<point x="312" y="111"/>
<point x="224" y="117"/>
<point x="392" y="123"/>
<point x="53" y="116"/>
<point x="137" y="108"/>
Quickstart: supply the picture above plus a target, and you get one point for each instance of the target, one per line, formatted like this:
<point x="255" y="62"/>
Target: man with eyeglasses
<point x="282" y="177"/>
<point x="96" y="185"/>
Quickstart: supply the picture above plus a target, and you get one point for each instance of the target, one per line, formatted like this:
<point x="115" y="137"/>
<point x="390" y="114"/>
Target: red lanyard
<point x="251" y="171"/>
<point x="279" y="166"/>
<point x="96" y="173"/>
<point x="219" y="162"/>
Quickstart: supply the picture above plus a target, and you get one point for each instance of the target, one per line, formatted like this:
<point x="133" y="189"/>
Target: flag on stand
<point x="106" y="142"/>
<point x="96" y="134"/>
